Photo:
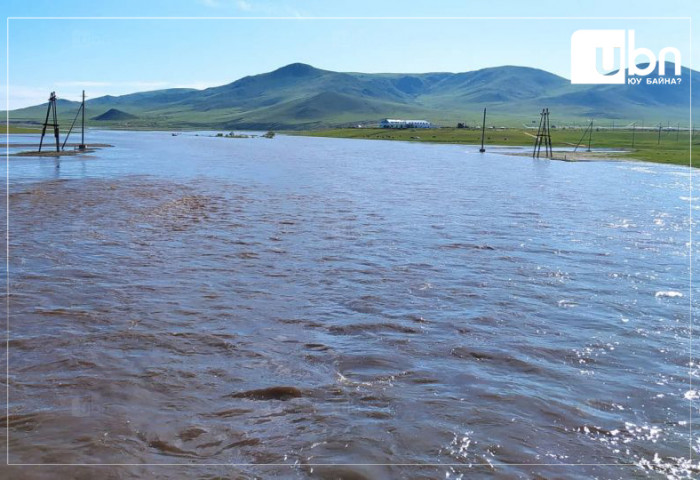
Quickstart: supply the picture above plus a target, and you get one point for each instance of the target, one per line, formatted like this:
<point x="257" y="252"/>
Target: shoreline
<point x="646" y="146"/>
<point x="571" y="156"/>
<point x="90" y="148"/>
<point x="628" y="145"/>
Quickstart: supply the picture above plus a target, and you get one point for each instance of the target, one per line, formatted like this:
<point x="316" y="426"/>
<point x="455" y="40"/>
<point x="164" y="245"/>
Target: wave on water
<point x="668" y="294"/>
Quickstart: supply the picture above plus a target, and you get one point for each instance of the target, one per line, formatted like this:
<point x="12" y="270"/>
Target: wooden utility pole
<point x="82" y="130"/>
<point x="50" y="112"/>
<point x="543" y="136"/>
<point x="483" y="131"/>
<point x="82" y="136"/>
<point x="589" y="131"/>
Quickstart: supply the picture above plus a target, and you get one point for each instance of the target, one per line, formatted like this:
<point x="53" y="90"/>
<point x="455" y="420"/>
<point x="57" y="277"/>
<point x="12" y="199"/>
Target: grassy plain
<point x="18" y="129"/>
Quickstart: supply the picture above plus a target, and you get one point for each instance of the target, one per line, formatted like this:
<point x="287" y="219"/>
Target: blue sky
<point x="123" y="56"/>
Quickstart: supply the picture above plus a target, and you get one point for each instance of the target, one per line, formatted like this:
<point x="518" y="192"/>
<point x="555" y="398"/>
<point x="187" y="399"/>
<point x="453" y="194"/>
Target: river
<point x="347" y="309"/>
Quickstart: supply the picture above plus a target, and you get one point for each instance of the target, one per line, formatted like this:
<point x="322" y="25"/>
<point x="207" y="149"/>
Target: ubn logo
<point x="598" y="56"/>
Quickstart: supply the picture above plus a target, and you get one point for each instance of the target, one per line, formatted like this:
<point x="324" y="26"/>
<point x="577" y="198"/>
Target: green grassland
<point x="673" y="147"/>
<point x="19" y="129"/>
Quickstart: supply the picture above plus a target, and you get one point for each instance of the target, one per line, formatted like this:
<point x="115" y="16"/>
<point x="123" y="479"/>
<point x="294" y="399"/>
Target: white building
<point x="395" y="123"/>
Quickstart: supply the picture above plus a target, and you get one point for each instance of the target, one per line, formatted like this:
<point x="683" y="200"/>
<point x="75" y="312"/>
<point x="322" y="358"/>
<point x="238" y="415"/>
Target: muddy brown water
<point x="321" y="308"/>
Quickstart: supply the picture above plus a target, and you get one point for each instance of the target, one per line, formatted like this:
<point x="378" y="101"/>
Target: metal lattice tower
<point x="544" y="136"/>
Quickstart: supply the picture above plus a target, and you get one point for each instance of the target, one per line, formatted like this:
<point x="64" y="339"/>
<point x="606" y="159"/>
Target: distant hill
<point x="299" y="96"/>
<point x="114" y="114"/>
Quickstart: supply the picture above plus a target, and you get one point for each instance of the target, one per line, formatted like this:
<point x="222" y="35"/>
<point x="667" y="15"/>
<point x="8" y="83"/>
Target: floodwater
<point x="347" y="309"/>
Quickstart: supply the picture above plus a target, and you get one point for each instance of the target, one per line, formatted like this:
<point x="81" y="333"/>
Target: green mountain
<point x="114" y="114"/>
<point x="299" y="96"/>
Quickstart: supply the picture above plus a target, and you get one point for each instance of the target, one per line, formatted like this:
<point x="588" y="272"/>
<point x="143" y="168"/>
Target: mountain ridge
<point x="301" y="96"/>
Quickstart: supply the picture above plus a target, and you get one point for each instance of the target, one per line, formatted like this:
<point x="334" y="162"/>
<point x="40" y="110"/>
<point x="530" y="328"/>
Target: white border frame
<point x="298" y="465"/>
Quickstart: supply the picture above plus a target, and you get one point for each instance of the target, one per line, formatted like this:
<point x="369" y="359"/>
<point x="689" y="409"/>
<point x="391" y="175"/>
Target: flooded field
<point x="347" y="309"/>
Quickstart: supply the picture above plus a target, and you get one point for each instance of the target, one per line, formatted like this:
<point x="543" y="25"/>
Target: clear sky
<point x="127" y="55"/>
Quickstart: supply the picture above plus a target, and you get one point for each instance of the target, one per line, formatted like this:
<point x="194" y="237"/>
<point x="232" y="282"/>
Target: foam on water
<point x="668" y="294"/>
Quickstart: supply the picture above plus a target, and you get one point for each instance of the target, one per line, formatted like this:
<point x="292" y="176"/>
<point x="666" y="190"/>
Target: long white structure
<point x="395" y="123"/>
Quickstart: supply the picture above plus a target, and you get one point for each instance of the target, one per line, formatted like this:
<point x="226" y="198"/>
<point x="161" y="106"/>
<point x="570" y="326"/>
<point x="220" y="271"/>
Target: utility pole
<point x="483" y="131"/>
<point x="543" y="136"/>
<point x="50" y="112"/>
<point x="658" y="142"/>
<point x="538" y="138"/>
<point x="634" y="126"/>
<point x="81" y="109"/>
<point x="588" y="131"/>
<point x="678" y="131"/>
<point x="82" y="130"/>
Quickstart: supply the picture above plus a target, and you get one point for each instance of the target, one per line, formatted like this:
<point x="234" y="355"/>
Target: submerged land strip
<point x="667" y="146"/>
<point x="650" y="145"/>
<point x="52" y="152"/>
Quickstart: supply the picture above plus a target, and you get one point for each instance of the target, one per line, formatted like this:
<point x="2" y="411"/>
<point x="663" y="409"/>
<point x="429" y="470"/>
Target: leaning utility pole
<point x="82" y="136"/>
<point x="589" y="131"/>
<point x="50" y="111"/>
